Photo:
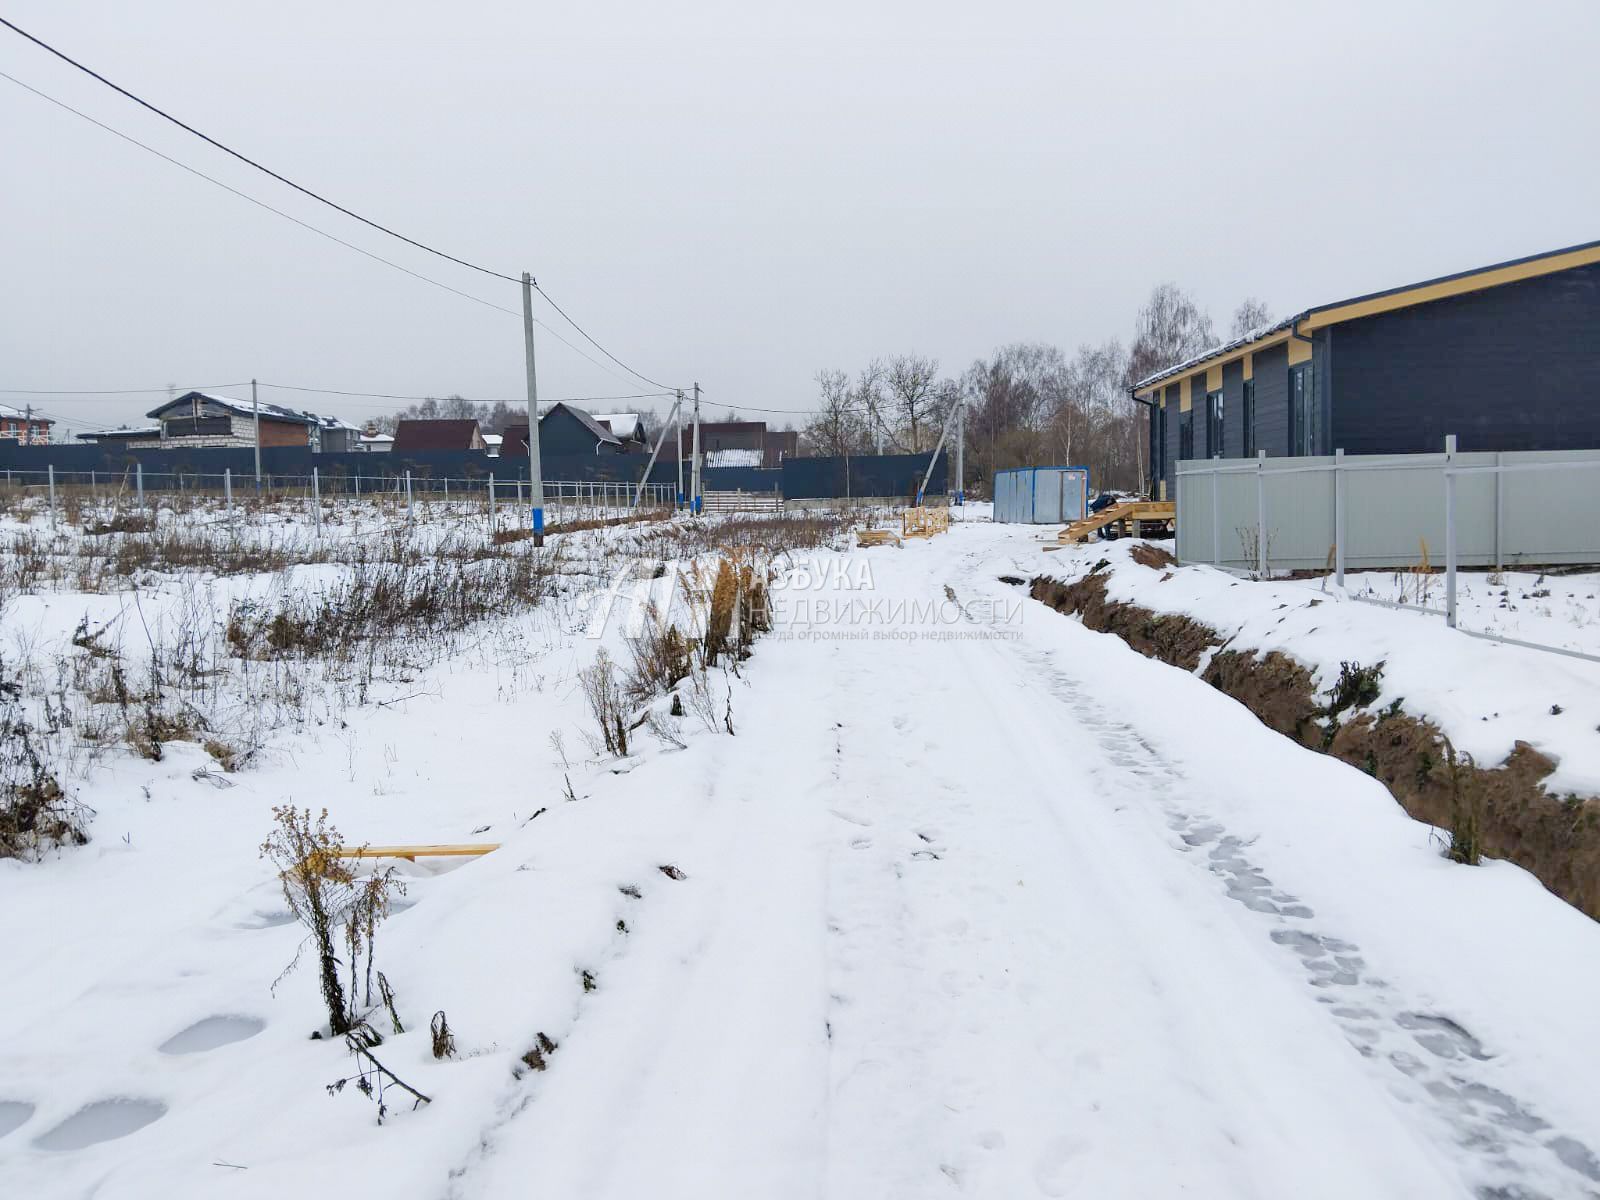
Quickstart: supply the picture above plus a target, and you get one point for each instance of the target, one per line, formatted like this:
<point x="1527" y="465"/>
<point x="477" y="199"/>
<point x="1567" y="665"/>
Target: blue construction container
<point x="1041" y="495"/>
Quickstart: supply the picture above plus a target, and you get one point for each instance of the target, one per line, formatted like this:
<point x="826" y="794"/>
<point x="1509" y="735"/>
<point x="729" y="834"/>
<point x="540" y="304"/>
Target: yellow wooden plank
<point x="413" y="853"/>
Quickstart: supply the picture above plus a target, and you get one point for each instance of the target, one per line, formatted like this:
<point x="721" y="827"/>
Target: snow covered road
<point x="960" y="929"/>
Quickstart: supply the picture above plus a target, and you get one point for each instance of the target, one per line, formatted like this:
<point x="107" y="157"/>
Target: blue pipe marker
<point x="538" y="520"/>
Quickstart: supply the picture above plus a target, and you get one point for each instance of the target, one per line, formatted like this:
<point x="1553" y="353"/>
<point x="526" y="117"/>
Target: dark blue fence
<point x="891" y="475"/>
<point x="797" y="479"/>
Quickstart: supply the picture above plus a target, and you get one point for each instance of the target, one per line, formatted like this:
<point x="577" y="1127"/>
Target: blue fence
<point x="891" y="475"/>
<point x="797" y="479"/>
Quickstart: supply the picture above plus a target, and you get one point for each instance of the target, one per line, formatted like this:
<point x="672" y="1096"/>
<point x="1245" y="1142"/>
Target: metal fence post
<point x="1450" y="531"/>
<point x="1338" y="518"/>
<point x="355" y="483"/>
<point x="316" y="498"/>
<point x="51" y="471"/>
<point x="138" y="479"/>
<point x="1216" y="518"/>
<point x="1261" y="514"/>
<point x="408" y="494"/>
<point x="227" y="491"/>
<point x="491" y="504"/>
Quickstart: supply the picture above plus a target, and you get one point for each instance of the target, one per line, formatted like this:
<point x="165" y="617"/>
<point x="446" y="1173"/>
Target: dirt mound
<point x="1173" y="639"/>
<point x="1555" y="838"/>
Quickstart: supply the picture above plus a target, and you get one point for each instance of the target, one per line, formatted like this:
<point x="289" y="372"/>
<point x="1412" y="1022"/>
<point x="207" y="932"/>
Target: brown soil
<point x="1555" y="838"/>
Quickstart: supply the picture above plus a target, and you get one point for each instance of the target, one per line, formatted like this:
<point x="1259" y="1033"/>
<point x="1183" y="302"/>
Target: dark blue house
<point x="1507" y="357"/>
<point x="563" y="431"/>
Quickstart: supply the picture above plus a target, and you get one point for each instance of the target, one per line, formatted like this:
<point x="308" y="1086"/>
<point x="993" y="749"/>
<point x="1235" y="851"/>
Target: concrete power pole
<point x="694" y="468"/>
<point x="256" y="406"/>
<point x="677" y="441"/>
<point x="961" y="454"/>
<point x="535" y="479"/>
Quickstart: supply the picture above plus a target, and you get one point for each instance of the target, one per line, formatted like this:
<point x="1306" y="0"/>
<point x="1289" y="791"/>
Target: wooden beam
<point x="412" y="853"/>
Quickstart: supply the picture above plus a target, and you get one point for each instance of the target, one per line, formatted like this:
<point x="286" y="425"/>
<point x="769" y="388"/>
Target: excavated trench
<point x="1557" y="838"/>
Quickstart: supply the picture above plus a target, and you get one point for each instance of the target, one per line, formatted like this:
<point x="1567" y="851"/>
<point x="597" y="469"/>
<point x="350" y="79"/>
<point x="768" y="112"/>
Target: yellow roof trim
<point x="1460" y="285"/>
<point x="1221" y="358"/>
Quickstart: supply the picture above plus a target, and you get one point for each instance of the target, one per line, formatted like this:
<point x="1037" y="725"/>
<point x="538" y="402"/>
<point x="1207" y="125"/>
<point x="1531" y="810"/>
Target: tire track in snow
<point x="1424" y="1058"/>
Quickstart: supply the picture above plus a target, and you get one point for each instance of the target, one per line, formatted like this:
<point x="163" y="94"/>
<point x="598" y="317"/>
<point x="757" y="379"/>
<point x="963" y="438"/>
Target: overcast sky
<point x="740" y="199"/>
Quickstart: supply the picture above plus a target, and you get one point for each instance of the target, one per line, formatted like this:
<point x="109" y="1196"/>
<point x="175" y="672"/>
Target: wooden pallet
<point x="1129" y="512"/>
<point x="924" y="522"/>
<point x="412" y="853"/>
<point x="876" y="537"/>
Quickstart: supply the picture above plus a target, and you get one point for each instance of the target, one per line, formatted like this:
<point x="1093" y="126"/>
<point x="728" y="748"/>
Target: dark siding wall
<point x="1233" y="410"/>
<point x="1516" y="367"/>
<point x="1170" y="472"/>
<point x="1272" y="400"/>
<point x="562" y="433"/>
<point x="1197" y="398"/>
<point x="1156" y="448"/>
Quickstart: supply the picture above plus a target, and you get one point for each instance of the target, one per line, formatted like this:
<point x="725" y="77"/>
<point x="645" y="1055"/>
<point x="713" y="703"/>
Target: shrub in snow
<point x="324" y="894"/>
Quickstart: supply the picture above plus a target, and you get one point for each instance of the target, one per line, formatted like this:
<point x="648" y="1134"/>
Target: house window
<point x="1249" y="418"/>
<point x="1305" y="414"/>
<point x="1214" y="424"/>
<point x="1186" y="435"/>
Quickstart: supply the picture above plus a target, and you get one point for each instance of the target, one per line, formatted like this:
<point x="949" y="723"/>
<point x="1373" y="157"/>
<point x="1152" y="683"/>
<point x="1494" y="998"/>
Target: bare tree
<point x="837" y="428"/>
<point x="910" y="381"/>
<point x="1172" y="328"/>
<point x="1251" y="315"/>
<point x="867" y="396"/>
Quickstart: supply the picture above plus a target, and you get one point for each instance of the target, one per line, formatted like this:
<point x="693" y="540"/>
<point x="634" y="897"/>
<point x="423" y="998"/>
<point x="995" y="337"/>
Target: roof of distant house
<point x="435" y="435"/>
<point x="122" y="431"/>
<point x="621" y="424"/>
<point x="377" y="437"/>
<point x="493" y="439"/>
<point x="10" y="414"/>
<point x="269" y="412"/>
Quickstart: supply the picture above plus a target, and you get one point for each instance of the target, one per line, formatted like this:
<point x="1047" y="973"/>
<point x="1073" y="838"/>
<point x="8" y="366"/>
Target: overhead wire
<point x="321" y="199"/>
<point x="404" y="270"/>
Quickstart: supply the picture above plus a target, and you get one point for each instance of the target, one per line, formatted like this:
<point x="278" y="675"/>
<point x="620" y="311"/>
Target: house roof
<point x="600" y="432"/>
<point x="1405" y="296"/>
<point x="269" y="412"/>
<point x="514" y="441"/>
<point x="122" y="431"/>
<point x="377" y="437"/>
<point x="624" y="425"/>
<point x="18" y="414"/>
<point x="435" y="435"/>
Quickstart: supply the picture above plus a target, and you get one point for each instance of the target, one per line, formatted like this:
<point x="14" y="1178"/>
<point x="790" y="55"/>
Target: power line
<point x="162" y="113"/>
<point x="69" y="392"/>
<point x="186" y="127"/>
<point x="312" y="228"/>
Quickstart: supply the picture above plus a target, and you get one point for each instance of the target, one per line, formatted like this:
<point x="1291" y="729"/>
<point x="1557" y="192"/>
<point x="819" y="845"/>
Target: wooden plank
<point x="412" y="853"/>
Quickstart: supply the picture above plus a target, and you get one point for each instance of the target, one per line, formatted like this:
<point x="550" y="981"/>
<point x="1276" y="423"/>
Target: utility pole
<point x="677" y="441"/>
<point x="961" y="454"/>
<point x="695" y="499"/>
<point x="535" y="480"/>
<point x="256" y="405"/>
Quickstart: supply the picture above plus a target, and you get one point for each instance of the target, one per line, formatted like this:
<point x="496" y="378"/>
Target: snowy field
<point x="936" y="894"/>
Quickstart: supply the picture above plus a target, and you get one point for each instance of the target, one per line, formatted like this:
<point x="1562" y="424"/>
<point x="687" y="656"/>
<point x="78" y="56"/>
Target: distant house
<point x="1505" y="356"/>
<point x="412" y="436"/>
<point x="19" y="425"/>
<point x="374" y="442"/>
<point x="770" y="446"/>
<point x="337" y="436"/>
<point x="199" y="419"/>
<point x="563" y="430"/>
<point x="491" y="443"/>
